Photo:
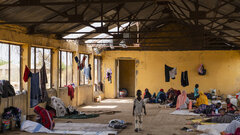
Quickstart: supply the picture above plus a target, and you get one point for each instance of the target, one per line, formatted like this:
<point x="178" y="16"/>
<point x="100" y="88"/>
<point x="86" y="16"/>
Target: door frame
<point x="116" y="91"/>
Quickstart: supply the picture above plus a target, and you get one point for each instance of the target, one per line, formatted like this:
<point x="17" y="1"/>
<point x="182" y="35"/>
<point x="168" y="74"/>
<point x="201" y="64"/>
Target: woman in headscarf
<point x="44" y="117"/>
<point x="147" y="94"/>
<point x="202" y="99"/>
<point x="176" y="93"/>
<point x="182" y="101"/>
<point x="161" y="97"/>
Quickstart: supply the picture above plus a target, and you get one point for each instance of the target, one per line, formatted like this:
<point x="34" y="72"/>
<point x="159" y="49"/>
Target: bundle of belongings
<point x="58" y="109"/>
<point x="44" y="117"/>
<point x="117" y="124"/>
<point x="12" y="113"/>
<point x="6" y="89"/>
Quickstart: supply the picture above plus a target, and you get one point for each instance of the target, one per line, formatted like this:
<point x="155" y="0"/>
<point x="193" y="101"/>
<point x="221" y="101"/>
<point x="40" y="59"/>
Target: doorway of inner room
<point x="126" y="77"/>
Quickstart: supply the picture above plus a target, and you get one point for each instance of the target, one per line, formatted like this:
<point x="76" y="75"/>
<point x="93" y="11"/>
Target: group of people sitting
<point x="216" y="113"/>
<point x="174" y="98"/>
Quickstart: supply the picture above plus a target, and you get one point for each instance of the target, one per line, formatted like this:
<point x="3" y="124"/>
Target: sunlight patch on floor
<point x="100" y="107"/>
<point x="117" y="101"/>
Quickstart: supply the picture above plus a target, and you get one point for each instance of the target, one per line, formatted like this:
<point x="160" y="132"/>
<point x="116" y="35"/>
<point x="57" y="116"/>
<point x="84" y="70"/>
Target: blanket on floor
<point x="184" y="112"/>
<point x="80" y="116"/>
<point x="69" y="128"/>
<point x="213" y="129"/>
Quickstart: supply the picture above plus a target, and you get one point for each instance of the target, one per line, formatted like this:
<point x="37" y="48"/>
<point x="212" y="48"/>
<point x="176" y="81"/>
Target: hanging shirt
<point x="43" y="80"/>
<point x="86" y="72"/>
<point x="173" y="73"/>
<point x="35" y="94"/>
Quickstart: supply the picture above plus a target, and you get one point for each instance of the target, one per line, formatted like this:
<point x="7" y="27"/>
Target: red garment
<point x="230" y="107"/>
<point x="82" y="65"/>
<point x="237" y="132"/>
<point x="46" y="117"/>
<point x="161" y="90"/>
<point x="26" y="74"/>
<point x="70" y="91"/>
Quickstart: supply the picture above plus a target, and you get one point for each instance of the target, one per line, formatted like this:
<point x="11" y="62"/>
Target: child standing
<point x="138" y="106"/>
<point x="196" y="94"/>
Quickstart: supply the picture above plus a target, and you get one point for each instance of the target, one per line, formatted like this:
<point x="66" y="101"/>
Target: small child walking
<point x="138" y="106"/>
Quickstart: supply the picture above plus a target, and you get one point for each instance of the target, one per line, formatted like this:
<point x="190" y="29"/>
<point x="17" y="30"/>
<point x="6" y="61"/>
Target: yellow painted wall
<point x="223" y="70"/>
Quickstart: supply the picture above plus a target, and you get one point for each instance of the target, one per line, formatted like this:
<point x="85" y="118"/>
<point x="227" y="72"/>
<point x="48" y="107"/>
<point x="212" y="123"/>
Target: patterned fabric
<point x="59" y="106"/>
<point x="206" y="109"/>
<point x="12" y="112"/>
<point x="232" y="127"/>
<point x="46" y="118"/>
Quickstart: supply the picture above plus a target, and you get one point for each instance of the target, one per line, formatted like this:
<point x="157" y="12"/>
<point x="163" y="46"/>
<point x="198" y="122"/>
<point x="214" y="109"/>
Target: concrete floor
<point x="157" y="122"/>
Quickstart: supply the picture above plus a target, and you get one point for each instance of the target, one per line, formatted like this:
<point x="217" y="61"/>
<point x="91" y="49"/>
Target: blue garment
<point x="35" y="94"/>
<point x="161" y="95"/>
<point x="196" y="92"/>
<point x="86" y="72"/>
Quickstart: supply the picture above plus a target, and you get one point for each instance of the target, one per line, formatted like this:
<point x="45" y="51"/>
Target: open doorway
<point x="126" y="77"/>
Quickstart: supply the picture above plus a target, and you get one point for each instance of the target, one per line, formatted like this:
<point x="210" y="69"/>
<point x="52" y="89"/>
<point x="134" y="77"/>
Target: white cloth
<point x="184" y="112"/>
<point x="232" y="127"/>
<point x="69" y="128"/>
<point x="213" y="129"/>
<point x="59" y="106"/>
<point x="33" y="127"/>
<point x="173" y="73"/>
<point x="138" y="106"/>
<point x="138" y="121"/>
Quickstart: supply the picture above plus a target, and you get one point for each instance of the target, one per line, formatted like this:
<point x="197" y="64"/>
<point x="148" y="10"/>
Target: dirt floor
<point x="158" y="121"/>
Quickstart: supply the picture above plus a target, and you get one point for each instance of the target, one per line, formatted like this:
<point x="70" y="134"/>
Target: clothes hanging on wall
<point x="109" y="75"/>
<point x="43" y="81"/>
<point x="38" y="92"/>
<point x="90" y="69"/>
<point x="170" y="72"/>
<point x="202" y="70"/>
<point x="70" y="91"/>
<point x="6" y="89"/>
<point x="35" y="94"/>
<point x="173" y="73"/>
<point x="82" y="65"/>
<point x="87" y="72"/>
<point x="27" y="74"/>
<point x="184" y="79"/>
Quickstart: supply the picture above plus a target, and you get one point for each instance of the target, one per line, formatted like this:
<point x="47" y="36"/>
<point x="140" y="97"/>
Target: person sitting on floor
<point x="230" y="107"/>
<point x="161" y="97"/>
<point x="175" y="96"/>
<point x="202" y="99"/>
<point x="153" y="96"/>
<point x="224" y="117"/>
<point x="170" y="96"/>
<point x="182" y="101"/>
<point x="147" y="96"/>
<point x="44" y="117"/>
<point x="208" y="109"/>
